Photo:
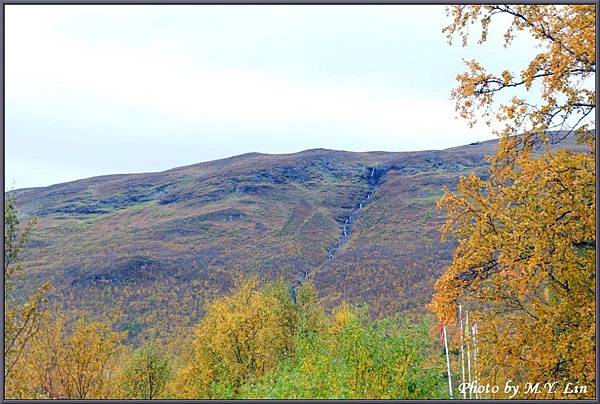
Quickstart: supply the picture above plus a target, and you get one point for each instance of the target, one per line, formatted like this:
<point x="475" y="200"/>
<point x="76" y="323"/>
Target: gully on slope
<point x="374" y="180"/>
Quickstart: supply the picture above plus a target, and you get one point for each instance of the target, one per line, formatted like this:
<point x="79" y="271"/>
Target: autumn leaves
<point x="525" y="261"/>
<point x="255" y="343"/>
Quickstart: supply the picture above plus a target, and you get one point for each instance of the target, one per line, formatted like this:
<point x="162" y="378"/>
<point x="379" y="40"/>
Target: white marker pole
<point x="468" y="351"/>
<point x="448" y="363"/>
<point x="474" y="331"/>
<point x="462" y="353"/>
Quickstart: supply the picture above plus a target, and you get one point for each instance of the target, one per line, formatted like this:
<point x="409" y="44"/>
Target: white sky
<point x="93" y="90"/>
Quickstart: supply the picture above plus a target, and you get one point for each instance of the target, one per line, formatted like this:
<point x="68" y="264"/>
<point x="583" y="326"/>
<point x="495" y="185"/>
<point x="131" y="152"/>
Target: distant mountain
<point x="363" y="227"/>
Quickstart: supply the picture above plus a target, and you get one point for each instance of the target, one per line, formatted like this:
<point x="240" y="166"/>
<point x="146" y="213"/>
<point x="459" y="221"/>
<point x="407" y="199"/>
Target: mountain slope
<point x="159" y="246"/>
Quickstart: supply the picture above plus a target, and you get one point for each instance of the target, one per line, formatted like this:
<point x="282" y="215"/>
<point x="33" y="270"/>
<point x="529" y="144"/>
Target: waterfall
<point x="346" y="231"/>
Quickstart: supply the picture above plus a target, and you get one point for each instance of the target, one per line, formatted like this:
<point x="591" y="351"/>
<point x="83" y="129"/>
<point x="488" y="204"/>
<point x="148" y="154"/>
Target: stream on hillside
<point x="374" y="180"/>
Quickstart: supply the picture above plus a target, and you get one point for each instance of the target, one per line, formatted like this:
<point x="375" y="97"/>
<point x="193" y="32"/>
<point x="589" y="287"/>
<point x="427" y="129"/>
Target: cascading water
<point x="374" y="182"/>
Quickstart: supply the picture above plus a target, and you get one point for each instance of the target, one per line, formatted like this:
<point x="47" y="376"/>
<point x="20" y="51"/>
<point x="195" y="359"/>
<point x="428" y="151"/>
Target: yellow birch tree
<point x="525" y="261"/>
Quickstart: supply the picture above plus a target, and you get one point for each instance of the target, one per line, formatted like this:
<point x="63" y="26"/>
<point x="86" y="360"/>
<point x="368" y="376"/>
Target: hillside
<point x="362" y="227"/>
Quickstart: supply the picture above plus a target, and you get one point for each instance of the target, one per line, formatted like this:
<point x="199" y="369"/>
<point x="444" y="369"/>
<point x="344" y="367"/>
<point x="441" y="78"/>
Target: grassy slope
<point x="158" y="246"/>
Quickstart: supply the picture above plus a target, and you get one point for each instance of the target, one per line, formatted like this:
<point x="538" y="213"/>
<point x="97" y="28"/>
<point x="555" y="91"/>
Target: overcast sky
<point x="93" y="90"/>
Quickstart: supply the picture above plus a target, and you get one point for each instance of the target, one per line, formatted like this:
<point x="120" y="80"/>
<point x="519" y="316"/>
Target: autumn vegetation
<point x="253" y="343"/>
<point x="523" y="244"/>
<point x="525" y="262"/>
